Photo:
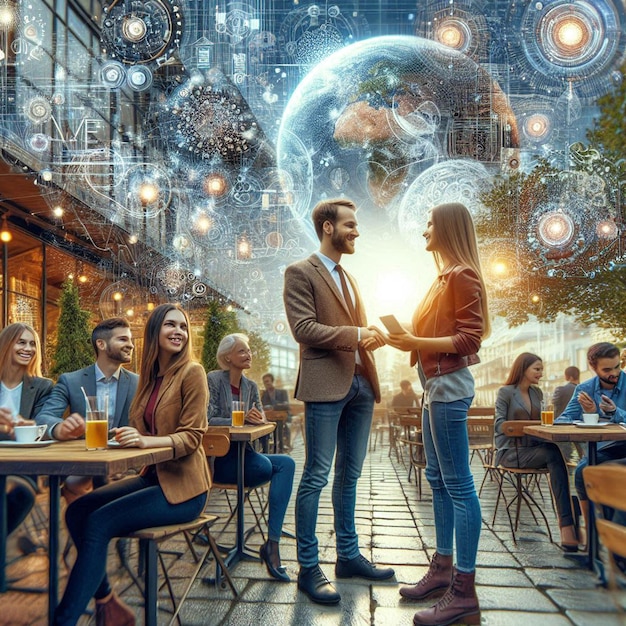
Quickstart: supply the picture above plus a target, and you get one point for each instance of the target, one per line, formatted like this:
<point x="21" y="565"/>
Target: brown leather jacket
<point x="455" y="310"/>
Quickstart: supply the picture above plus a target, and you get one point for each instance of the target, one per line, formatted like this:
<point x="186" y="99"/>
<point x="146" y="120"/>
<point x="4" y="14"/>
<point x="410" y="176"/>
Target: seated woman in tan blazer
<point x="169" y="409"/>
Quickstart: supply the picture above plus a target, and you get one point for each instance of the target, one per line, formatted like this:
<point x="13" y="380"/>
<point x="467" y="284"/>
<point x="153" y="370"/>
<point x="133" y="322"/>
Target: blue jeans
<point x="277" y="469"/>
<point x="112" y="511"/>
<point x="455" y="502"/>
<point x="614" y="452"/>
<point x="343" y="425"/>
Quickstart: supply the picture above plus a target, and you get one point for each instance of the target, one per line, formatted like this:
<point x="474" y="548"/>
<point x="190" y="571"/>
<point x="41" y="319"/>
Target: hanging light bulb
<point x="5" y="233"/>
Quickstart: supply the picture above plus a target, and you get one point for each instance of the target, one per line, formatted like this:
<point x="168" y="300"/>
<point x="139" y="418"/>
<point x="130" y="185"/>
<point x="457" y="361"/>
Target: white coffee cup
<point x="28" y="434"/>
<point x="591" y="418"/>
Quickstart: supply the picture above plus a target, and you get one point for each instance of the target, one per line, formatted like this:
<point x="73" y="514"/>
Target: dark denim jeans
<point x="112" y="511"/>
<point x="343" y="426"/>
<point x="278" y="469"/>
<point x="455" y="502"/>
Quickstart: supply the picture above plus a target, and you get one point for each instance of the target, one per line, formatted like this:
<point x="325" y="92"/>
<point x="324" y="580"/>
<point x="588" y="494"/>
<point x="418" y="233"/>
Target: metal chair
<point x="522" y="480"/>
<point x="152" y="554"/>
<point x="412" y="439"/>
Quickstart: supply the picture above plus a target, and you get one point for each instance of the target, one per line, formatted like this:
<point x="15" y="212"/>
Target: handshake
<point x="372" y="337"/>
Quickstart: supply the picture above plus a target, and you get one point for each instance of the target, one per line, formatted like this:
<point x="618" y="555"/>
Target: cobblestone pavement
<point x="530" y="582"/>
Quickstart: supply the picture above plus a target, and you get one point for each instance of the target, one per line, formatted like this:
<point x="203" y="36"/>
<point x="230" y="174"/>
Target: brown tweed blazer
<point x="321" y="324"/>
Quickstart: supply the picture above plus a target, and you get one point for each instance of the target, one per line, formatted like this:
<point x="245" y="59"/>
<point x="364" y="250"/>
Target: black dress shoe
<point x="361" y="567"/>
<point x="279" y="573"/>
<point x="312" y="581"/>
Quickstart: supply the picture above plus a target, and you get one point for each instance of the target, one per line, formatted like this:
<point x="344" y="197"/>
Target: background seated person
<point x="228" y="384"/>
<point x="113" y="345"/>
<point x="604" y="394"/>
<point x="520" y="399"/>
<point x="407" y="398"/>
<point x="22" y="394"/>
<point x="277" y="400"/>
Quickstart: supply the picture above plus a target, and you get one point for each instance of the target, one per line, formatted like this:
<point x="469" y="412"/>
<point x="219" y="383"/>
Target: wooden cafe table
<point x="579" y="434"/>
<point x="63" y="458"/>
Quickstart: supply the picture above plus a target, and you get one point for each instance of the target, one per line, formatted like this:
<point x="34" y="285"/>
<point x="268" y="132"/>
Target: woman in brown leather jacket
<point x="446" y="333"/>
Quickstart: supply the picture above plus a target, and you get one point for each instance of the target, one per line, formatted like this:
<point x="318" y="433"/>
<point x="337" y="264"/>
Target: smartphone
<point x="392" y="324"/>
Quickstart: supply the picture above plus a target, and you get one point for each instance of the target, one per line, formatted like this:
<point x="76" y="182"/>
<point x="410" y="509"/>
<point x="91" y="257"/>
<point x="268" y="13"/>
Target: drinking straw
<point x="86" y="399"/>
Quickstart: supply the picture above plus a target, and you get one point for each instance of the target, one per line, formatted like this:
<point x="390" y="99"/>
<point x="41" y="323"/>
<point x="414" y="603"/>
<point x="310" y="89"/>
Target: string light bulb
<point x="5" y="233"/>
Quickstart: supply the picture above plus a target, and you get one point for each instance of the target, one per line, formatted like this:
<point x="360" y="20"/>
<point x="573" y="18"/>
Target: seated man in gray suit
<point x="113" y="345"/>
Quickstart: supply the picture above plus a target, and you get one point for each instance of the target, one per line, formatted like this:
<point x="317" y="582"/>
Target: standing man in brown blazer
<point x="338" y="384"/>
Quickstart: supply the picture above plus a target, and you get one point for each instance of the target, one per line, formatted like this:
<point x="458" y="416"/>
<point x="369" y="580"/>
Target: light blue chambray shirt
<point x="107" y="387"/>
<point x="573" y="411"/>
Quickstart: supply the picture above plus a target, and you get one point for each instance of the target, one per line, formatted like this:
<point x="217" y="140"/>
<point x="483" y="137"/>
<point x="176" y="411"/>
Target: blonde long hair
<point x="456" y="236"/>
<point x="8" y="338"/>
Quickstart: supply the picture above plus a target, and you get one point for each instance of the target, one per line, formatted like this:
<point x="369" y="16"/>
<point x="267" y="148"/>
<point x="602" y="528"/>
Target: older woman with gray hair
<point x="228" y="384"/>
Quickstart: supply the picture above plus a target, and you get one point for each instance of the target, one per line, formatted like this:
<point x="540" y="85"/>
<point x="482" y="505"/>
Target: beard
<point x="119" y="356"/>
<point x="340" y="243"/>
<point x="612" y="380"/>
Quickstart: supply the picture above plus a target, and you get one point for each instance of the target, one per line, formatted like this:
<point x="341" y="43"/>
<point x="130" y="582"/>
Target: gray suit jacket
<point x="510" y="406"/>
<point x="561" y="397"/>
<point x="321" y="324"/>
<point x="34" y="393"/>
<point x="220" y="397"/>
<point x="67" y="393"/>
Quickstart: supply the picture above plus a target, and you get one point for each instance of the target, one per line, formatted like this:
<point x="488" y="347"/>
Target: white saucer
<point x="600" y="425"/>
<point x="26" y="444"/>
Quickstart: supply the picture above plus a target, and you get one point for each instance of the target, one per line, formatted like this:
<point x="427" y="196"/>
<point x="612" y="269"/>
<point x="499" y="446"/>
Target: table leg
<point x="589" y="559"/>
<point x="53" y="548"/>
<point x="592" y="533"/>
<point x="3" y="533"/>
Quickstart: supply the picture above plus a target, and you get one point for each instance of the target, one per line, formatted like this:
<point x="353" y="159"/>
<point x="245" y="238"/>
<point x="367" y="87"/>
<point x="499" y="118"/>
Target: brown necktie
<point x="346" y="294"/>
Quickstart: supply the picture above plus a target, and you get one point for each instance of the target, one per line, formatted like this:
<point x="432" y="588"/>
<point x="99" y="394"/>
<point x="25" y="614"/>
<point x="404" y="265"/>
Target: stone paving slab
<point x="519" y="583"/>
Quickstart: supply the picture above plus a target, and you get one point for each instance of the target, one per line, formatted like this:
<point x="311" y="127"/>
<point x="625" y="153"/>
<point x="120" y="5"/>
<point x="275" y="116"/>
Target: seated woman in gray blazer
<point x="520" y="399"/>
<point x="228" y="384"/>
<point x="22" y="393"/>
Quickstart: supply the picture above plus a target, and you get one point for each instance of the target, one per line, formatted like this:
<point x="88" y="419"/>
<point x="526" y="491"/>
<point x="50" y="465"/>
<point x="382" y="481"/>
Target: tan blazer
<point x="321" y="324"/>
<point x="180" y="412"/>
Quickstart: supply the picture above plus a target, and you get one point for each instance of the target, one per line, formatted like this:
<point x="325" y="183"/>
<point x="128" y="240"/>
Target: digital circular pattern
<point x="149" y="190"/>
<point x="556" y="229"/>
<point x="537" y="127"/>
<point x="561" y="229"/>
<point x="39" y="142"/>
<point x="205" y="121"/>
<point x="38" y="110"/>
<point x="134" y="31"/>
<point x="560" y="40"/>
<point x="112" y="74"/>
<point x="139" y="78"/>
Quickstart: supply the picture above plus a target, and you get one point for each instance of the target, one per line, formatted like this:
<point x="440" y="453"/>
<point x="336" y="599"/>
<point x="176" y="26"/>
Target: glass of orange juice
<point x="547" y="418"/>
<point x="96" y="422"/>
<point x="238" y="414"/>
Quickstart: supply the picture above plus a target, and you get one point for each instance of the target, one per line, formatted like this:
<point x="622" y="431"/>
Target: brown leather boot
<point x="459" y="604"/>
<point x="437" y="579"/>
<point x="111" y="611"/>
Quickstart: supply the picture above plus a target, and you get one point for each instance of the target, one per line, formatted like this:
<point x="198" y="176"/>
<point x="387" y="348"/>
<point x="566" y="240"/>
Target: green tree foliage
<point x="219" y="323"/>
<point x="260" y="356"/>
<point x="608" y="133"/>
<point x="73" y="344"/>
